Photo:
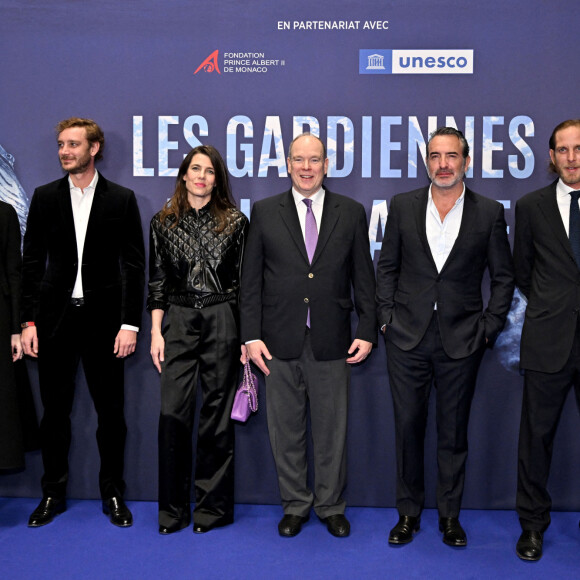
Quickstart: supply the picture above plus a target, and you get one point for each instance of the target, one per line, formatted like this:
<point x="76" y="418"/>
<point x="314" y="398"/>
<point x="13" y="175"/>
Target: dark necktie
<point x="574" y="233"/>
<point x="310" y="238"/>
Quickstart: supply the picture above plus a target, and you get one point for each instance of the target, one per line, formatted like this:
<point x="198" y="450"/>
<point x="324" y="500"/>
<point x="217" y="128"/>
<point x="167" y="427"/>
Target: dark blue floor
<point x="81" y="543"/>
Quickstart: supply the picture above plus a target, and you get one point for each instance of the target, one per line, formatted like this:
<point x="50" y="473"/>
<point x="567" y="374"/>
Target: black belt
<point x="77" y="301"/>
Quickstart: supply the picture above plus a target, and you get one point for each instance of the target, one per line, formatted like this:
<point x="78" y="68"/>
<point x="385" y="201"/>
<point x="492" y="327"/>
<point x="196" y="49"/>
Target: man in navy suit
<point x="439" y="241"/>
<point x="306" y="257"/>
<point x="82" y="282"/>
<point x="547" y="266"/>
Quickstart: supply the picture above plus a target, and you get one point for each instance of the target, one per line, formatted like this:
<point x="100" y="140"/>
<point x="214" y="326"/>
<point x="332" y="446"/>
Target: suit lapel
<point x="468" y="219"/>
<point x="548" y="205"/>
<point x="330" y="215"/>
<point x="420" y="212"/>
<point x="289" y="215"/>
<point x="65" y="208"/>
<point x="95" y="225"/>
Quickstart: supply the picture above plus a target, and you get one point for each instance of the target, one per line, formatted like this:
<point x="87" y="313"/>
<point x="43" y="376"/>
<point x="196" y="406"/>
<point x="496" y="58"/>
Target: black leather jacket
<point x="192" y="265"/>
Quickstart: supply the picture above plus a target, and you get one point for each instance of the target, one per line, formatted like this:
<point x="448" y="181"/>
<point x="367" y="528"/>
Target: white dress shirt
<point x="563" y="198"/>
<point x="317" y="206"/>
<point x="441" y="235"/>
<point x="82" y="202"/>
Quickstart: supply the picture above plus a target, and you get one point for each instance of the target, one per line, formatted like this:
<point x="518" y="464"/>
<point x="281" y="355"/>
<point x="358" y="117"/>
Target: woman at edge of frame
<point x="18" y="425"/>
<point x="196" y="248"/>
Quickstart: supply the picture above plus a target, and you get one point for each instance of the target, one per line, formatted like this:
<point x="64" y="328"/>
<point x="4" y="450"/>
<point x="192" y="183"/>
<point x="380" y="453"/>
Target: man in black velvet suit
<point x="547" y="265"/>
<point x="82" y="281"/>
<point x="307" y="250"/>
<point x="439" y="241"/>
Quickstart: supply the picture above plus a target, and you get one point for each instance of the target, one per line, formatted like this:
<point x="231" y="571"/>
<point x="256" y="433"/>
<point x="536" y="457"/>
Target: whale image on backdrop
<point x="10" y="189"/>
<point x="508" y="342"/>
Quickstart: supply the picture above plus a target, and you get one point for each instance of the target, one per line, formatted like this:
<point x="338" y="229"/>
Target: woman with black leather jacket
<point x="196" y="247"/>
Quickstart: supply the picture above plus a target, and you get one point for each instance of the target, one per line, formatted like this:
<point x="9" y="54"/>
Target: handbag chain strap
<point x="249" y="388"/>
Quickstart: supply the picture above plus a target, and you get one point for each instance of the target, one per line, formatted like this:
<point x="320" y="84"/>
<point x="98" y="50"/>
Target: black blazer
<point x="112" y="263"/>
<point x="279" y="284"/>
<point x="10" y="264"/>
<point x="549" y="278"/>
<point x="408" y="284"/>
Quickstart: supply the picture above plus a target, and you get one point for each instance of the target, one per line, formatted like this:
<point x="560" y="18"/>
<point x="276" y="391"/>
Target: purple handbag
<point x="246" y="399"/>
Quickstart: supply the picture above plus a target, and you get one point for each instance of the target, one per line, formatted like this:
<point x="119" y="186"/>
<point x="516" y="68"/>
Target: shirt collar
<point x="92" y="185"/>
<point x="317" y="198"/>
<point x="202" y="210"/>
<point x="458" y="201"/>
<point x="563" y="190"/>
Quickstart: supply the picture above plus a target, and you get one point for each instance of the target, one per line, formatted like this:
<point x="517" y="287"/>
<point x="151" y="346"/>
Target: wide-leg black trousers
<point x="200" y="344"/>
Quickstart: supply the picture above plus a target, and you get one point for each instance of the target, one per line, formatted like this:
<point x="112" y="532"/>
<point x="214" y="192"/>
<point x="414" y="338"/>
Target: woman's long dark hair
<point x="221" y="196"/>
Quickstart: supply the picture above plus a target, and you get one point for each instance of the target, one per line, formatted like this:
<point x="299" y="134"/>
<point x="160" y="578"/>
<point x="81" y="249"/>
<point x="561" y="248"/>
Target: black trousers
<point x="11" y="434"/>
<point x="543" y="401"/>
<point x="199" y="344"/>
<point x="291" y="387"/>
<point x="82" y="336"/>
<point x="411" y="374"/>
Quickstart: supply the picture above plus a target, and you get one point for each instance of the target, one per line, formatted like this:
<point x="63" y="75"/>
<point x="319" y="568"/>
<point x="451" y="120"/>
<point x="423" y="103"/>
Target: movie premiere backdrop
<point x="371" y="78"/>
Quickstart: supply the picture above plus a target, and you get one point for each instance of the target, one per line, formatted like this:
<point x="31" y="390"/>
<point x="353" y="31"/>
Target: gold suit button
<point x="311" y="275"/>
<point x="306" y="300"/>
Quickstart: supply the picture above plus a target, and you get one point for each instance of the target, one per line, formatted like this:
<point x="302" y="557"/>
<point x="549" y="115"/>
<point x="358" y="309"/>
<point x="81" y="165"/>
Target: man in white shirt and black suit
<point x="439" y="240"/>
<point x="82" y="300"/>
<point x="547" y="266"/>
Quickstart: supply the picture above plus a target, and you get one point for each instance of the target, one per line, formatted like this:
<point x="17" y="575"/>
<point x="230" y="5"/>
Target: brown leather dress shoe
<point x="46" y="511"/>
<point x="529" y="546"/>
<point x="453" y="534"/>
<point x="338" y="525"/>
<point x="403" y="532"/>
<point x="118" y="512"/>
<point x="291" y="525"/>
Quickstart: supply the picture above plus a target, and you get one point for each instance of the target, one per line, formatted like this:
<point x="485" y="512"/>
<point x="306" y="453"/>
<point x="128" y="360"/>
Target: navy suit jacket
<point x="279" y="284"/>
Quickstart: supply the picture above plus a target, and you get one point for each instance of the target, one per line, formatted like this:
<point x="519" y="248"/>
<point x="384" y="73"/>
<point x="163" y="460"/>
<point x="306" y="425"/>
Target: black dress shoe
<point x="47" y="510"/>
<point x="176" y="527"/>
<point x="291" y="525"/>
<point x="204" y="528"/>
<point x="118" y="512"/>
<point x="338" y="525"/>
<point x="453" y="534"/>
<point x="403" y="532"/>
<point x="529" y="546"/>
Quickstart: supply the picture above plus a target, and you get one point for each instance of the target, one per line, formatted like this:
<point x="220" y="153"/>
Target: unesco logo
<point x="419" y="61"/>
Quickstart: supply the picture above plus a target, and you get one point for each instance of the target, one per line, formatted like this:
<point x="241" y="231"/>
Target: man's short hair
<point x="453" y="132"/>
<point x="552" y="142"/>
<point x="94" y="132"/>
<point x="307" y="134"/>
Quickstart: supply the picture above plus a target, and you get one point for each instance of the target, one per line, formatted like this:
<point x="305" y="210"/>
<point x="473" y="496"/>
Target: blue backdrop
<point x="372" y="78"/>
